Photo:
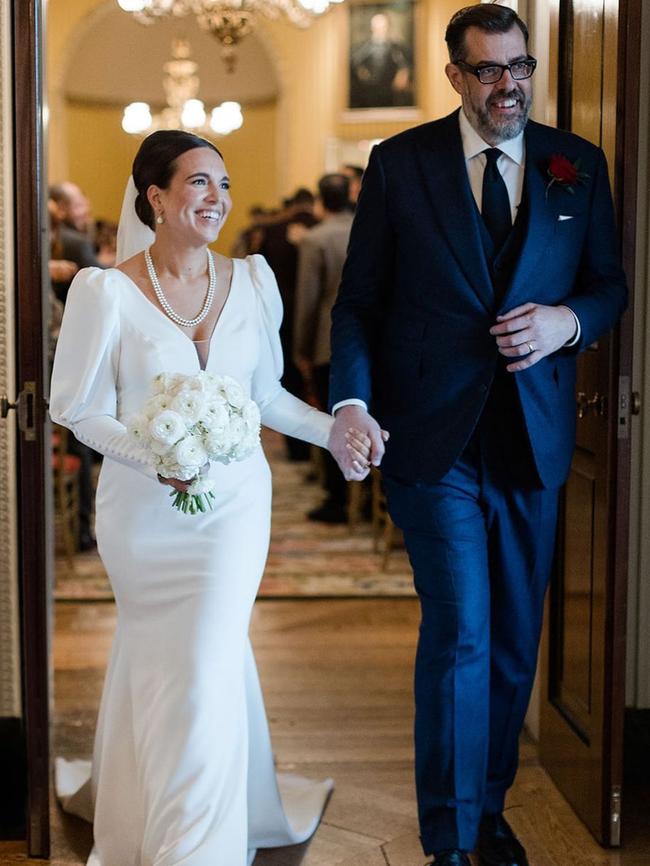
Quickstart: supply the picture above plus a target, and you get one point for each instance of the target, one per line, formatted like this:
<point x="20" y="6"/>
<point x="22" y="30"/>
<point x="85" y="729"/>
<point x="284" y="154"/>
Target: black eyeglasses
<point x="519" y="70"/>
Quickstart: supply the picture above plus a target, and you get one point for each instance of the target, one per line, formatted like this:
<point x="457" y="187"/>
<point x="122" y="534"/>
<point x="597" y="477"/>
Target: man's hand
<point x="62" y="270"/>
<point x="354" y="423"/>
<point x="532" y="331"/>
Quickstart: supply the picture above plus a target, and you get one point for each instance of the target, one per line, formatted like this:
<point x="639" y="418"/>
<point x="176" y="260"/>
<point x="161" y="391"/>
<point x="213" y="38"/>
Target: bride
<point x="182" y="770"/>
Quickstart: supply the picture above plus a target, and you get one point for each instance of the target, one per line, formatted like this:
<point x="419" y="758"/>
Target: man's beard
<point x="503" y="130"/>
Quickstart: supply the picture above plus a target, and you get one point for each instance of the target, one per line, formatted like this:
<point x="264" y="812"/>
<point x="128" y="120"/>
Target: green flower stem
<point x="192" y="503"/>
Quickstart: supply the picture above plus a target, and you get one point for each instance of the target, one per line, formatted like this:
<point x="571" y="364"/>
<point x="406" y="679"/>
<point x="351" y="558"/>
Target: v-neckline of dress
<point x="166" y="318"/>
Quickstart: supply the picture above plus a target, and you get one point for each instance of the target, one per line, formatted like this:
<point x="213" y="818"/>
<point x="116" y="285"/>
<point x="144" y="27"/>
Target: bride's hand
<point x="176" y="483"/>
<point x="359" y="446"/>
<point x="181" y="486"/>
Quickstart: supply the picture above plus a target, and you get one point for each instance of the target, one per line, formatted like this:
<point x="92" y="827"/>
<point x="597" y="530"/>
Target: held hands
<point x="531" y="332"/>
<point x="356" y="442"/>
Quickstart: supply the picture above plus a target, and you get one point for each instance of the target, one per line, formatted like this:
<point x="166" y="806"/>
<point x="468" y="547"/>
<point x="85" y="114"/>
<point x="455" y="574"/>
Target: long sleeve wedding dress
<point x="182" y="771"/>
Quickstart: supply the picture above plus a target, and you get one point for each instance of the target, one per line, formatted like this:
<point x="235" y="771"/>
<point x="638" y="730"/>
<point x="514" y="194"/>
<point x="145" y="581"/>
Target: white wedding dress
<point x="182" y="771"/>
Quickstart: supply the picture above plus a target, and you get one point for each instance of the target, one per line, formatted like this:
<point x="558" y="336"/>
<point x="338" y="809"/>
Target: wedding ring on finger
<point x="531" y="348"/>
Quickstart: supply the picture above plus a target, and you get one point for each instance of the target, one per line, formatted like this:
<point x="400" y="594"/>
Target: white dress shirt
<point x="511" y="163"/>
<point x="512" y="166"/>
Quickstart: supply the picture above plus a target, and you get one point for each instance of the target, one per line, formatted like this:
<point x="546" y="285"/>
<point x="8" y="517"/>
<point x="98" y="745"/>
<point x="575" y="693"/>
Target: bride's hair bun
<point x="154" y="164"/>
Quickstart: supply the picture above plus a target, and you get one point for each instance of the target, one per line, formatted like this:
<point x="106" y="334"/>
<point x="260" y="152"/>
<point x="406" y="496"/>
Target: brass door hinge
<point x="615" y="816"/>
<point x="25" y="406"/>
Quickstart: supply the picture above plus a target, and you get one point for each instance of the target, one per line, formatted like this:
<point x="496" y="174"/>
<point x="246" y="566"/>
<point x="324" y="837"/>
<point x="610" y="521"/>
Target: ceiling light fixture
<point x="184" y="110"/>
<point x="229" y="20"/>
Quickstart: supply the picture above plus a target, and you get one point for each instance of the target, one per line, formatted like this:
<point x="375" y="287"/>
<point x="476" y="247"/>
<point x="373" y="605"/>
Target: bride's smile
<point x="197" y="202"/>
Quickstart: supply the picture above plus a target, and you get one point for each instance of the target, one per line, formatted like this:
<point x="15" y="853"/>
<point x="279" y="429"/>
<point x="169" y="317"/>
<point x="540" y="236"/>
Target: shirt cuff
<point x="352" y="402"/>
<point x="576" y="337"/>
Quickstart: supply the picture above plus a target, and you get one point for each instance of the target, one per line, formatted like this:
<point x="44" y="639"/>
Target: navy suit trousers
<point x="481" y="545"/>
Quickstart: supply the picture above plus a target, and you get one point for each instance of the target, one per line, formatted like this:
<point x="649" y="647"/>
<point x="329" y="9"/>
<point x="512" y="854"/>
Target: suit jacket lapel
<point x="442" y="164"/>
<point x="541" y="218"/>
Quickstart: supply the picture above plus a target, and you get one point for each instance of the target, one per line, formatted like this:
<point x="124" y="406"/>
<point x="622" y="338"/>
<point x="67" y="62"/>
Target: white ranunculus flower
<point x="203" y="484"/>
<point x="172" y="469"/>
<point x="234" y="393"/>
<point x="216" y="444"/>
<point x="210" y="380"/>
<point x="167" y="427"/>
<point x="215" y="414"/>
<point x="237" y="429"/>
<point x="160" y="449"/>
<point x="190" y="405"/>
<point x="157" y="404"/>
<point x="166" y="383"/>
<point x="251" y="414"/>
<point x="138" y="429"/>
<point x="190" y="452"/>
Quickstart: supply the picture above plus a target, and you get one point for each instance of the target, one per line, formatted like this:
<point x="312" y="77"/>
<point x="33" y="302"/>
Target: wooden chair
<point x="383" y="528"/>
<point x="65" y="470"/>
<point x="355" y="500"/>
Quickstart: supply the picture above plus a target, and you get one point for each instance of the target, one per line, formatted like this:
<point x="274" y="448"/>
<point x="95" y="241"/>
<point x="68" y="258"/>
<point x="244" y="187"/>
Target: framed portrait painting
<point x="381" y="68"/>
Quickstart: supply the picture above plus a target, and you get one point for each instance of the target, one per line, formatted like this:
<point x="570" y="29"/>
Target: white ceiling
<point x="120" y="61"/>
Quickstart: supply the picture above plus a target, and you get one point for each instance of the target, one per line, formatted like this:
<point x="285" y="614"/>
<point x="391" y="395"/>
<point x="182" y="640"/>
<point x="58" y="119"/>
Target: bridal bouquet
<point x="190" y="420"/>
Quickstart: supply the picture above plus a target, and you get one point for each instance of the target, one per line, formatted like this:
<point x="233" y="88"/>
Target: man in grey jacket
<point x="320" y="262"/>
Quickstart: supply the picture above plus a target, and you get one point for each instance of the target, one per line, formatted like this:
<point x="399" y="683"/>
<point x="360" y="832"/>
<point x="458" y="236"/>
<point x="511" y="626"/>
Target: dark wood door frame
<point x="30" y="254"/>
<point x="619" y="399"/>
<point x="625" y="195"/>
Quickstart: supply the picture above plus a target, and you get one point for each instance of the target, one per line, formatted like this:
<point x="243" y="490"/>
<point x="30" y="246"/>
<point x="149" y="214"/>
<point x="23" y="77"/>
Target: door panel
<point x="33" y="463"/>
<point x="587" y="50"/>
<point x="582" y="654"/>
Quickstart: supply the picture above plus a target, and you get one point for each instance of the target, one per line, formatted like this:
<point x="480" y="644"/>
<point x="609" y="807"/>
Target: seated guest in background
<point x="71" y="250"/>
<point x="60" y="270"/>
<point x="105" y="243"/>
<point x="280" y="250"/>
<point x="320" y="263"/>
<point x="71" y="212"/>
<point x="354" y="174"/>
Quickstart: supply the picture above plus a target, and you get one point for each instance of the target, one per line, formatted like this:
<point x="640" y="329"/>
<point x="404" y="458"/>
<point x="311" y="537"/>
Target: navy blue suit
<point x="476" y="455"/>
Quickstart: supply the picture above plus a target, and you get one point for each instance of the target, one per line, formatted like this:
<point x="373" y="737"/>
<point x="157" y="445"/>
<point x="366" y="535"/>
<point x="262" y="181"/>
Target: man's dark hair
<point x="356" y="170"/>
<point x="487" y="17"/>
<point x="303" y="196"/>
<point x="334" y="192"/>
<point x="155" y="163"/>
<point x="57" y="193"/>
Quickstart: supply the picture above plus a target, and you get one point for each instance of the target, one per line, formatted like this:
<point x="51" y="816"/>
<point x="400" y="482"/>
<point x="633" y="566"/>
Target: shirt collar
<point x="473" y="144"/>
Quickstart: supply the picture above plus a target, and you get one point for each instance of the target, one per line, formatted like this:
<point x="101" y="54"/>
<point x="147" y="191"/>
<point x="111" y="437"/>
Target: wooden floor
<point x="337" y="680"/>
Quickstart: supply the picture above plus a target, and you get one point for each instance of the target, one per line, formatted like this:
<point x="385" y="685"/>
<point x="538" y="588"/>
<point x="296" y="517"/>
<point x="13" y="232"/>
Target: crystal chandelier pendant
<point x="228" y="20"/>
<point x="184" y="109"/>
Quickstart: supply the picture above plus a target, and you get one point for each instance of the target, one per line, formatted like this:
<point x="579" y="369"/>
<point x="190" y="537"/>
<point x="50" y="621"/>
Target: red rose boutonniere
<point x="564" y="173"/>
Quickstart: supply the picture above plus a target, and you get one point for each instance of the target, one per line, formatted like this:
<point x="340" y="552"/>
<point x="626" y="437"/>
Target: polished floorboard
<point x="337" y="681"/>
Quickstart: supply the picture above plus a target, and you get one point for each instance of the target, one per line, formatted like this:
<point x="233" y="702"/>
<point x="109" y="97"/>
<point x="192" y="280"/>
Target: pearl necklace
<point x="164" y="303"/>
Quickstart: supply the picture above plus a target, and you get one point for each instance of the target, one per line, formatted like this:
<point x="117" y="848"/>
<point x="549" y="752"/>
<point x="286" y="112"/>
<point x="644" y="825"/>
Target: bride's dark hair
<point x="155" y="163"/>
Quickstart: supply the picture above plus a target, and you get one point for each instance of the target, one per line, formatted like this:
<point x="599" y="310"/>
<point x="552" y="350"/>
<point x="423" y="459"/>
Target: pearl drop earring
<point x="160" y="219"/>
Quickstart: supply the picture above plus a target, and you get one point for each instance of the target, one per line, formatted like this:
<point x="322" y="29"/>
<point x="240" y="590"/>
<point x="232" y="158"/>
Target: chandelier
<point x="229" y="20"/>
<point x="184" y="110"/>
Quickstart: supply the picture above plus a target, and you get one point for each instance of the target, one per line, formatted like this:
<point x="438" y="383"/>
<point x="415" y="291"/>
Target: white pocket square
<point x="564" y="216"/>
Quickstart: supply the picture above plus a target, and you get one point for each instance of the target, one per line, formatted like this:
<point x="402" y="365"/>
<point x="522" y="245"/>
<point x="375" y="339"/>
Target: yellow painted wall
<point x="278" y="148"/>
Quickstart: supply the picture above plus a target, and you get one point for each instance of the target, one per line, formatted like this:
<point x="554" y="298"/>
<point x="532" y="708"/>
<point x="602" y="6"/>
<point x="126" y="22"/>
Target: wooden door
<point x="33" y="458"/>
<point x="581" y="733"/>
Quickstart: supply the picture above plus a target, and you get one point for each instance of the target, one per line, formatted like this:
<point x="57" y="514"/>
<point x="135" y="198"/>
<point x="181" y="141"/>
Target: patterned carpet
<point x="306" y="559"/>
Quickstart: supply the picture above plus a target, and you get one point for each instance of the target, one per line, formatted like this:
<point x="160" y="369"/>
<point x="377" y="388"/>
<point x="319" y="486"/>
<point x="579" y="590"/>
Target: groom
<point x="482" y="260"/>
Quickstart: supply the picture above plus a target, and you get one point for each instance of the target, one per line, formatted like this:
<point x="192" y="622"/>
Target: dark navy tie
<point x="495" y="204"/>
